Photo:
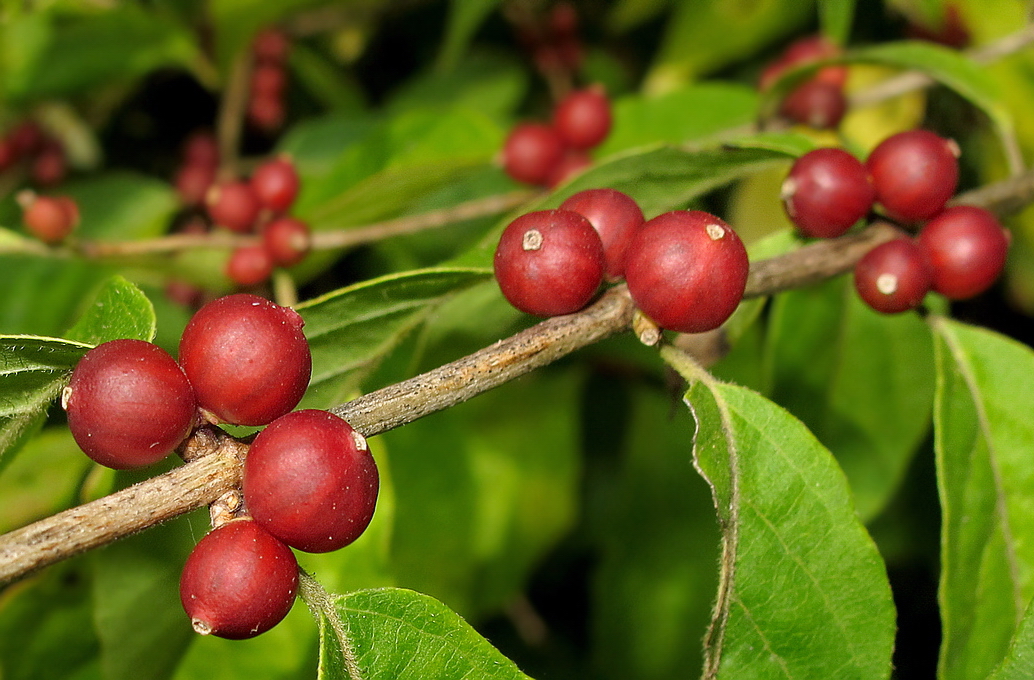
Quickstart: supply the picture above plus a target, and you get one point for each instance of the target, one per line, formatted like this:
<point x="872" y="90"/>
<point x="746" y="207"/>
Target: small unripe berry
<point x="275" y="182"/>
<point x="687" y="270"/>
<point x="615" y="216"/>
<point x="583" y="118"/>
<point x="914" y="174"/>
<point x="815" y="103"/>
<point x="249" y="265"/>
<point x="238" y="582"/>
<point x="287" y="240"/>
<point x="309" y="480"/>
<point x="51" y="218"/>
<point x="826" y="192"/>
<point x="894" y="276"/>
<point x="246" y="358"/>
<point x="549" y="262"/>
<point x="531" y="152"/>
<point x="128" y="404"/>
<point x="233" y="205"/>
<point x="967" y="248"/>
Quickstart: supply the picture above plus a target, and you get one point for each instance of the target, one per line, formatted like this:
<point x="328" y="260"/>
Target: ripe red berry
<point x="268" y="80"/>
<point x="270" y="45"/>
<point x="801" y="53"/>
<point x="549" y="262"/>
<point x="894" y="276"/>
<point x="201" y="148"/>
<point x="309" y="480"/>
<point x="572" y="163"/>
<point x="826" y="192"/>
<point x="267" y="113"/>
<point x="249" y="265"/>
<point x="233" y="205"/>
<point x="687" y="270"/>
<point x="246" y="358"/>
<point x="50" y="165"/>
<point x="238" y="582"/>
<point x="615" y="216"/>
<point x="193" y="181"/>
<point x="967" y="248"/>
<point x="27" y="138"/>
<point x="129" y="404"/>
<point x="287" y="240"/>
<point x="815" y="103"/>
<point x="51" y="218"/>
<point x="275" y="182"/>
<point x="583" y="118"/>
<point x="531" y="152"/>
<point x="914" y="174"/>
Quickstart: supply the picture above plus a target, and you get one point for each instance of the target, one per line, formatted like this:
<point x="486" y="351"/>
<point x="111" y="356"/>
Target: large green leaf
<point x="802" y="589"/>
<point x="42" y="480"/>
<point x="119" y="310"/>
<point x="350" y="330"/>
<point x="983" y="433"/>
<point x="465" y="16"/>
<point x="403" y="635"/>
<point x="1019" y="663"/>
<point x="861" y="381"/>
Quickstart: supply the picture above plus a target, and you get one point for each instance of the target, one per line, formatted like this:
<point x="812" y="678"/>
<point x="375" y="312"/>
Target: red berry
<point x="271" y="45"/>
<point x="826" y="192"/>
<point x="687" y="270"/>
<point x="531" y="152"/>
<point x="8" y="154"/>
<point x="27" y="138"/>
<point x="615" y="216"/>
<point x="201" y="148"/>
<point x="287" y="240"/>
<point x="815" y="103"/>
<point x="51" y="218"/>
<point x="267" y="113"/>
<point x="233" y="205"/>
<point x="193" y="182"/>
<point x="129" y="404"/>
<point x="570" y="165"/>
<point x="275" y="182"/>
<point x="249" y="265"/>
<point x="801" y="53"/>
<point x="914" y="174"/>
<point x="549" y="262"/>
<point x="309" y="480"/>
<point x="967" y="247"/>
<point x="582" y="118"/>
<point x="268" y="80"/>
<point x="894" y="276"/>
<point x="238" y="582"/>
<point x="246" y="358"/>
<point x="50" y="166"/>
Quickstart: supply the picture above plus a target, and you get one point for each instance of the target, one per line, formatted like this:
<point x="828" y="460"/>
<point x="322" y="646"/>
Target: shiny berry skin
<point x="549" y="262"/>
<point x="287" y="240"/>
<point x="826" y="191"/>
<point x="275" y="183"/>
<point x="249" y="265"/>
<point x="687" y="270"/>
<point x="967" y="248"/>
<point x="914" y="174"/>
<point x="129" y="404"/>
<point x="815" y="103"/>
<point x="233" y="205"/>
<point x="615" y="216"/>
<point x="583" y="118"/>
<point x="531" y="152"/>
<point x="309" y="480"/>
<point x="246" y="358"/>
<point x="894" y="276"/>
<point x="51" y="218"/>
<point x="238" y="582"/>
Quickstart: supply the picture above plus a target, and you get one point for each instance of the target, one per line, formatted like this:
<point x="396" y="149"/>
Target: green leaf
<point x="835" y="17"/>
<point x="802" y="591"/>
<point x="32" y="372"/>
<point x="427" y="640"/>
<point x="487" y="82"/>
<point x="325" y="80"/>
<point x="120" y="310"/>
<point x="982" y="436"/>
<point x="1019" y="662"/>
<point x="861" y="381"/>
<point x="123" y="206"/>
<point x="350" y="330"/>
<point x="42" y="480"/>
<point x="465" y="16"/>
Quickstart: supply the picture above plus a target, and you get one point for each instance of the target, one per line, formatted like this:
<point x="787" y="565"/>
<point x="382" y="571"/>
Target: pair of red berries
<point x="267" y="108"/>
<point x="45" y="155"/>
<point x="686" y="269"/>
<point x="547" y="154"/>
<point x="553" y="41"/>
<point x="819" y="101"/>
<point x="49" y="218"/>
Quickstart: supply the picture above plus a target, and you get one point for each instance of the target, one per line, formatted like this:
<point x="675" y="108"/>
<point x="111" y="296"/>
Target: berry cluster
<point x="686" y="270"/>
<point x="267" y="109"/>
<point x="49" y="218"/>
<point x="960" y="251"/>
<point x="44" y="154"/>
<point x="547" y="154"/>
<point x="198" y="167"/>
<point x="554" y="43"/>
<point x="819" y="101"/>
<point x="309" y="480"/>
